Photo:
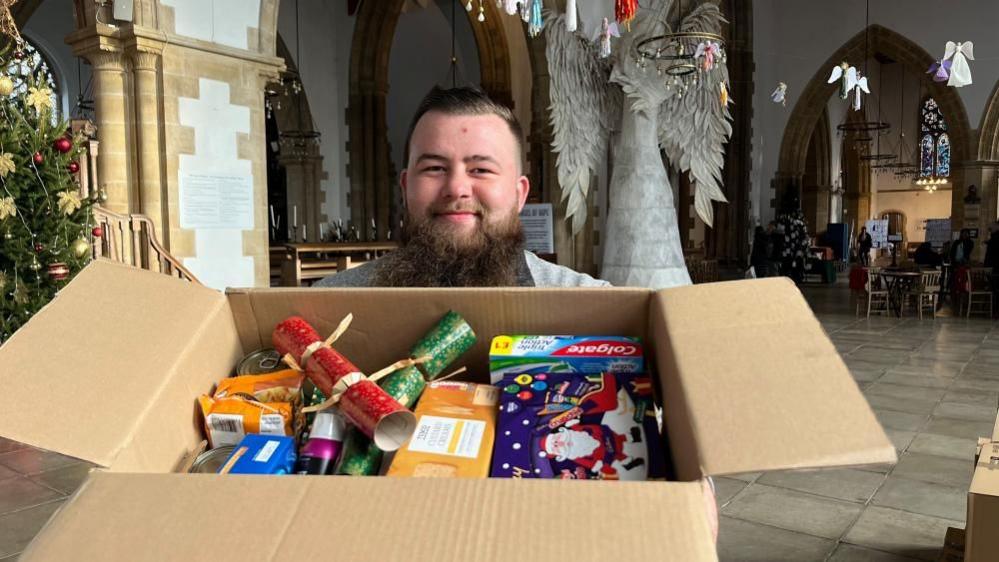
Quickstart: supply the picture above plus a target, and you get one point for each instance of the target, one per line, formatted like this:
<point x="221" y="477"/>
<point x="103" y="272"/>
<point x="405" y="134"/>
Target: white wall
<point x="793" y="38"/>
<point x="47" y="29"/>
<point x="326" y="35"/>
<point x="917" y="205"/>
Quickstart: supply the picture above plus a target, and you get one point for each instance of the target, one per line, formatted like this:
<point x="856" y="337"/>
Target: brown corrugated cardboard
<point x="246" y="518"/>
<point x="982" y="540"/>
<point x="751" y="382"/>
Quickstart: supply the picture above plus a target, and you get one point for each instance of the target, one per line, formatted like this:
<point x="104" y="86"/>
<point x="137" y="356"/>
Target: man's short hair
<point x="464" y="101"/>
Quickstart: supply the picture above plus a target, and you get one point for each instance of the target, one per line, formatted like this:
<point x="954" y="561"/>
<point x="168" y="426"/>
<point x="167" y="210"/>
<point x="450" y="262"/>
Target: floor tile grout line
<point x="25" y="508"/>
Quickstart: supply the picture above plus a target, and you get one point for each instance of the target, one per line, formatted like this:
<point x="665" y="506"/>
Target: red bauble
<point x="98" y="231"/>
<point x="63" y="145"/>
<point x="19" y="54"/>
<point x="39" y="247"/>
<point x="58" y="271"/>
<point x="74" y="167"/>
<point x="38" y="158"/>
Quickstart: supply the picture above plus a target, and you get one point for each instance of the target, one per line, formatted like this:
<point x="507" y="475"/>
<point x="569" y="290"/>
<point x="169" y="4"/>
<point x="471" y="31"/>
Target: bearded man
<point x="463" y="188"/>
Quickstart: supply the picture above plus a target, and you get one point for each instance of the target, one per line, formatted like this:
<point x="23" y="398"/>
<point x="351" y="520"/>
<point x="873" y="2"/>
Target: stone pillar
<point x="148" y="132"/>
<point x="304" y="193"/>
<point x="114" y="164"/>
<point x="984" y="175"/>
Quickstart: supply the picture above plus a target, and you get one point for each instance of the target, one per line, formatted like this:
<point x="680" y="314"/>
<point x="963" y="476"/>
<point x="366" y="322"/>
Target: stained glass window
<point x="934" y="142"/>
<point x="32" y="64"/>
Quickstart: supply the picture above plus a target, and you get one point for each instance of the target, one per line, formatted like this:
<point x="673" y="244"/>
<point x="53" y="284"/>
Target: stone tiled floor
<point x="934" y="385"/>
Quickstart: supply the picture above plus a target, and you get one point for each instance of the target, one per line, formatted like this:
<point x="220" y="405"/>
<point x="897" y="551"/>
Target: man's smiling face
<point x="463" y="176"/>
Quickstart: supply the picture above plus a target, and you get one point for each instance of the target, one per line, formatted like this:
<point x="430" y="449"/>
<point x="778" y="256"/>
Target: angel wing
<point x="837" y="73"/>
<point x="862" y="84"/>
<point x="968" y="48"/>
<point x="581" y="113"/>
<point x="694" y="128"/>
<point x="950" y="50"/>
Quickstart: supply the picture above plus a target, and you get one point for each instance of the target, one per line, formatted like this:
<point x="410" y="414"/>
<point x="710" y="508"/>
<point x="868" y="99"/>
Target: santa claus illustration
<point x="595" y="447"/>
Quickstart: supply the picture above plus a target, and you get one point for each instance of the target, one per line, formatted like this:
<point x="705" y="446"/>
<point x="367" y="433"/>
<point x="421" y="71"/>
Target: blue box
<point x="262" y="454"/>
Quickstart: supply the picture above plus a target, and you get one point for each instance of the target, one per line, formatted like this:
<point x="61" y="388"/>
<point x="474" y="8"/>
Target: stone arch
<point x="371" y="183"/>
<point x="300" y="160"/>
<point x="988" y="145"/>
<point x="817" y="175"/>
<point x="813" y="100"/>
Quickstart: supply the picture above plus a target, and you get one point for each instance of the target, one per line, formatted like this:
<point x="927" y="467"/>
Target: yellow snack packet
<point x="264" y="404"/>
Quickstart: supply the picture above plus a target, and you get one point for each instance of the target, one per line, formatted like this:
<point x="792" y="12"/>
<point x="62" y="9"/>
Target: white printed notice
<point x="448" y="436"/>
<point x="536" y="219"/>
<point x="216" y="202"/>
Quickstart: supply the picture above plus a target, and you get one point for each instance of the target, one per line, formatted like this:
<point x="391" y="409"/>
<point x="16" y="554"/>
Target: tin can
<point x="447" y="341"/>
<point x="212" y="460"/>
<point x="360" y="456"/>
<point x="260" y="362"/>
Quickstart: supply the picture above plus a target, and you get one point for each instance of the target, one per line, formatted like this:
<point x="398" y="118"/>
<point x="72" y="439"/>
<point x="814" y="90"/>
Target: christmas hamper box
<point x="111" y="369"/>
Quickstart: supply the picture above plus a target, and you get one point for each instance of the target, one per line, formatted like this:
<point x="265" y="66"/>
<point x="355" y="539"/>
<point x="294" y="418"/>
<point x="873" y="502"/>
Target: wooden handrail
<point x="131" y="239"/>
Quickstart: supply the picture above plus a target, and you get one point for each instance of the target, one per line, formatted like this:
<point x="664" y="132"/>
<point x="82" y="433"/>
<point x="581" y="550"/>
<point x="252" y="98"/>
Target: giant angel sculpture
<point x="596" y="98"/>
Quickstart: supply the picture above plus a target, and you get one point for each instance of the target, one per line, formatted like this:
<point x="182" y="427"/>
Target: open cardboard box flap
<point x="109" y="372"/>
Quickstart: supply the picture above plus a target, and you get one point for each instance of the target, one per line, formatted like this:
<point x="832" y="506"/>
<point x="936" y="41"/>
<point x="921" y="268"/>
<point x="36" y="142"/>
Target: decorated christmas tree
<point x="45" y="224"/>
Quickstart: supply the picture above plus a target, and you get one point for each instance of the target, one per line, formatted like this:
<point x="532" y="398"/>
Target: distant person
<point x="926" y="256"/>
<point x="864" y="245"/>
<point x="759" y="259"/>
<point x="775" y="249"/>
<point x="960" y="250"/>
<point x="992" y="255"/>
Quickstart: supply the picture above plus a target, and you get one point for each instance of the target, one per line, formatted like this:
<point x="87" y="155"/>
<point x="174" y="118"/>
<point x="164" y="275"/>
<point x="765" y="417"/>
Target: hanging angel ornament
<point x="608" y="29"/>
<point x="940" y="70"/>
<point x="570" y="16"/>
<point x="847" y="76"/>
<point x="535" y="23"/>
<point x="859" y="88"/>
<point x="780" y="94"/>
<point x="595" y="93"/>
<point x="959" y="54"/>
<point x="708" y="51"/>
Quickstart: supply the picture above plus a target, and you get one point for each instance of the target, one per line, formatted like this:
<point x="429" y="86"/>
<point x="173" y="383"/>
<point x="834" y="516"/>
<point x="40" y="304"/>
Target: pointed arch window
<point x="934" y="142"/>
<point x="33" y="63"/>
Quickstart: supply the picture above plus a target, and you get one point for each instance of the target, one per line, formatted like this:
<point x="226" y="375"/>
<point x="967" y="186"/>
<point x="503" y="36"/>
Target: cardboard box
<point x="110" y="370"/>
<point x="982" y="540"/>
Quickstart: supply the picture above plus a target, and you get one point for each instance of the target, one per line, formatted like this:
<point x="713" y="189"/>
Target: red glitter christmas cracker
<point x="377" y="415"/>
<point x="325" y="366"/>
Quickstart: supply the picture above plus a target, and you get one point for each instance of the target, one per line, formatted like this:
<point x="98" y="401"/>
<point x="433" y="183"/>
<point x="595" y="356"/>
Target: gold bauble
<point x="6" y="86"/>
<point x="34" y="265"/>
<point x="80" y="247"/>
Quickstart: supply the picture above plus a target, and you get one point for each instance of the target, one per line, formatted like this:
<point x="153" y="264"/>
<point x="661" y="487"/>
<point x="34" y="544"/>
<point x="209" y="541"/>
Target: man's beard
<point x="436" y="254"/>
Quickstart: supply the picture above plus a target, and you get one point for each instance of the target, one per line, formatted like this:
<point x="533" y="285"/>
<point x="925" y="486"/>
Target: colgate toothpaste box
<point x="588" y="355"/>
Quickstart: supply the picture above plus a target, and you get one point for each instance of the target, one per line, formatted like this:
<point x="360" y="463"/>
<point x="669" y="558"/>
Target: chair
<point x="131" y="239"/>
<point x="925" y="292"/>
<point x="980" y="291"/>
<point x="874" y="293"/>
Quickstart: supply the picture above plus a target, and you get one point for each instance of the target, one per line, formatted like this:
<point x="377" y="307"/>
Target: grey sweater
<point x="534" y="272"/>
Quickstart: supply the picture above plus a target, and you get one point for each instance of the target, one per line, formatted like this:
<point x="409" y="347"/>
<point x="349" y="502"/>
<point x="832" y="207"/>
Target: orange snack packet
<point x="455" y="426"/>
<point x="264" y="404"/>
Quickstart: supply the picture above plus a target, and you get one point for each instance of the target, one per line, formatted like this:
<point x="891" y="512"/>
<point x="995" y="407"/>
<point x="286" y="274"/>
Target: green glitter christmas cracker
<point x="447" y="341"/>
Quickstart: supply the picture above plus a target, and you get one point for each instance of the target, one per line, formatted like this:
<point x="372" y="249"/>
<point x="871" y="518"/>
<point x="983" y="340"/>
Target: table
<point x="317" y="260"/>
<point x="897" y="282"/>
